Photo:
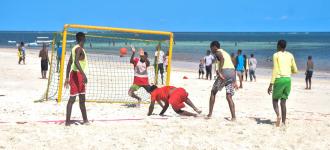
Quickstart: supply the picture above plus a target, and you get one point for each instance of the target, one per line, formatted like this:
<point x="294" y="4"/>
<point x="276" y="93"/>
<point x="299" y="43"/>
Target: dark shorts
<point x="161" y="68"/>
<point x="309" y="74"/>
<point x="44" y="65"/>
<point x="208" y="68"/>
<point x="230" y="78"/>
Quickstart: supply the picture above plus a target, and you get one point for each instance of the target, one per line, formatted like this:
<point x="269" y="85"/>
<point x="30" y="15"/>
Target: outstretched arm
<point x="151" y="108"/>
<point x="133" y="53"/>
<point x="160" y="103"/>
<point x="164" y="108"/>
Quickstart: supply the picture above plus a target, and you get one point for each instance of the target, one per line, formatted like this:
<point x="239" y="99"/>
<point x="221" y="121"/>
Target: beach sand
<point x="118" y="127"/>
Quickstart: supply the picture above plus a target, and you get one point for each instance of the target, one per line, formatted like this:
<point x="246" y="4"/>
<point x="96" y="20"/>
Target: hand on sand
<point x="198" y="111"/>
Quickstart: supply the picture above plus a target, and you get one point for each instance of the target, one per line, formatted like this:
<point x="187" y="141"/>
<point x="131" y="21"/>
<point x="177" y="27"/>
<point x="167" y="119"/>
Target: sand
<point x="308" y="124"/>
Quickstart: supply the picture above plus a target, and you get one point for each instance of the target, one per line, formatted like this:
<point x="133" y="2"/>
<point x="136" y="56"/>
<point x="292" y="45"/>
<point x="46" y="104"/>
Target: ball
<point x="123" y="51"/>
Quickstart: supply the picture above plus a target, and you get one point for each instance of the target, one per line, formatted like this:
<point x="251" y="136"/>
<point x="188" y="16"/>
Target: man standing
<point x="283" y="66"/>
<point x="59" y="55"/>
<point x="159" y="59"/>
<point x="240" y="67"/>
<point x="309" y="73"/>
<point x="209" y="59"/>
<point x="43" y="54"/>
<point x="225" y="78"/>
<point x="76" y="70"/>
<point x="253" y="66"/>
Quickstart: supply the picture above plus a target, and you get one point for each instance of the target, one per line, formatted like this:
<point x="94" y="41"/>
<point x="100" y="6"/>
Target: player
<point x="170" y="95"/>
<point x="76" y="70"/>
<point x="43" y="54"/>
<point x="159" y="60"/>
<point x="225" y="78"/>
<point x="283" y="66"/>
<point x="140" y="73"/>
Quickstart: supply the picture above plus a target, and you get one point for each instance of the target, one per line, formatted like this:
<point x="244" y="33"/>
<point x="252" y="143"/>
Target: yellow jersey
<point x="283" y="65"/>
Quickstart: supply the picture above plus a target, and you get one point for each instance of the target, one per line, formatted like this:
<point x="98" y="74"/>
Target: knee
<point x="213" y="92"/>
<point x="130" y="93"/>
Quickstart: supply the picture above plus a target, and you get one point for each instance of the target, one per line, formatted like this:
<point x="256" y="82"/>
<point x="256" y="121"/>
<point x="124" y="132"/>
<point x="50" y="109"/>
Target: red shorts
<point x="177" y="98"/>
<point x="77" y="85"/>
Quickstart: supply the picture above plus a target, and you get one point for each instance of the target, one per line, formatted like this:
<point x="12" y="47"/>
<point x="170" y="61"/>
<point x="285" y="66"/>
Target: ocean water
<point x="192" y="46"/>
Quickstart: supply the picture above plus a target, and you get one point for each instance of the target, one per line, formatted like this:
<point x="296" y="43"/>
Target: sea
<point x="192" y="46"/>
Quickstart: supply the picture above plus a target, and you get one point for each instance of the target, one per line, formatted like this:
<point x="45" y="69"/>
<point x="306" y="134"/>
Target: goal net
<point x="110" y="75"/>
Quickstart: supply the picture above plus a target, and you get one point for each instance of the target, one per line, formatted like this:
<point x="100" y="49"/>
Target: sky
<point x="169" y="15"/>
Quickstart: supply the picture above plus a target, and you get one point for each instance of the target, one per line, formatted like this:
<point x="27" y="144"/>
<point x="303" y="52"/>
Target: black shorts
<point x="161" y="68"/>
<point x="44" y="65"/>
<point x="208" y="69"/>
<point x="309" y="74"/>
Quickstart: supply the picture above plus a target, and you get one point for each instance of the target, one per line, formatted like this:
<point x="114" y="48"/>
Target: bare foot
<point x="278" y="121"/>
<point x="208" y="116"/>
<point x="86" y="123"/>
<point x="233" y="119"/>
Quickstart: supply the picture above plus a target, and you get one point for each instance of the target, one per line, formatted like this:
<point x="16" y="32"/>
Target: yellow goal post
<point x="112" y="29"/>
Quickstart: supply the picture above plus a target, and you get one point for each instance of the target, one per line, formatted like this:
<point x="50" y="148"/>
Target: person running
<point x="208" y="59"/>
<point x="252" y="68"/>
<point x="58" y="57"/>
<point x="201" y="69"/>
<point x="76" y="78"/>
<point x="283" y="66"/>
<point x="240" y="67"/>
<point x="226" y="77"/>
<point x="140" y="73"/>
<point x="159" y="59"/>
<point x="21" y="53"/>
<point x="309" y="73"/>
<point x="43" y="54"/>
<point x="246" y="66"/>
<point x="170" y="95"/>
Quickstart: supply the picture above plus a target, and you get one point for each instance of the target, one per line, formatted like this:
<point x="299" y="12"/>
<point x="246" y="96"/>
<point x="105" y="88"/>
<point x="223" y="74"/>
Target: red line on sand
<point x="96" y="120"/>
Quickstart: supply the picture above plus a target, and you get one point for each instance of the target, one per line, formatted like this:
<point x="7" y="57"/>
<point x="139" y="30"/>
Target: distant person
<point x="166" y="61"/>
<point x="208" y="59"/>
<point x="233" y="59"/>
<point x="21" y="53"/>
<point x="201" y="69"/>
<point x="170" y="95"/>
<point x="309" y="73"/>
<point x="246" y="67"/>
<point x="159" y="60"/>
<point x="226" y="77"/>
<point x="240" y="67"/>
<point x="58" y="57"/>
<point x="140" y="73"/>
<point x="252" y="68"/>
<point x="76" y="78"/>
<point x="283" y="66"/>
<point x="43" y="54"/>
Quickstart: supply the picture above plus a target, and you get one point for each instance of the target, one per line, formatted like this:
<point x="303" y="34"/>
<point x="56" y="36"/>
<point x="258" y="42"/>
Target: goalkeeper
<point x="140" y="73"/>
